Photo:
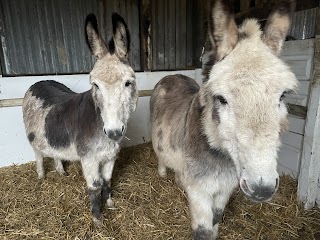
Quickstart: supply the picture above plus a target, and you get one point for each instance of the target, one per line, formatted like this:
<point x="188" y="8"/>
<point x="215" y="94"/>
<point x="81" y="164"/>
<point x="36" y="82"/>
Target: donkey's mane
<point x="249" y="29"/>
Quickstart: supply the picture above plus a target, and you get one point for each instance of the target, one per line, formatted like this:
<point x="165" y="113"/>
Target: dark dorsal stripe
<point x="51" y="92"/>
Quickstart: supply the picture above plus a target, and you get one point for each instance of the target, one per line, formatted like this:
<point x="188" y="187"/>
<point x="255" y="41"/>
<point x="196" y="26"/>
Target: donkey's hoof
<point x="97" y="221"/>
<point x="110" y="203"/>
<point x="63" y="173"/>
<point x="41" y="176"/>
<point x="162" y="171"/>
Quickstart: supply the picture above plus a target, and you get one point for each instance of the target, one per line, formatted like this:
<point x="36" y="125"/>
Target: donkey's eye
<point x="95" y="85"/>
<point x="221" y="99"/>
<point x="128" y="83"/>
<point x="283" y="95"/>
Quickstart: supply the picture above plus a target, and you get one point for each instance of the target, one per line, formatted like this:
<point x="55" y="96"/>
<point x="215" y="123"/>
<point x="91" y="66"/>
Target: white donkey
<point x="226" y="132"/>
<point x="88" y="126"/>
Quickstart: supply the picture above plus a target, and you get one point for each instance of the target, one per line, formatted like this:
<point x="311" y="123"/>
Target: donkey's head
<point x="113" y="80"/>
<point x="243" y="103"/>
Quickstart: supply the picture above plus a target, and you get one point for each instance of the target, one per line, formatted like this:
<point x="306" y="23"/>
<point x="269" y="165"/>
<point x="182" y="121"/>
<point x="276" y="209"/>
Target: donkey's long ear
<point x="223" y="31"/>
<point x="94" y="40"/>
<point x="277" y="26"/>
<point x="121" y="36"/>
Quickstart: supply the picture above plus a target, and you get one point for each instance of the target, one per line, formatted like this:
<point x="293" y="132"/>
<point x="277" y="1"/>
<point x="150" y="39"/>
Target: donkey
<point x="89" y="126"/>
<point x="226" y="131"/>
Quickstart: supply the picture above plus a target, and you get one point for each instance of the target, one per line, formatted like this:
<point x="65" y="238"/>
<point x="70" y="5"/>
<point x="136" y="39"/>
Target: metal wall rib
<point x="178" y="33"/>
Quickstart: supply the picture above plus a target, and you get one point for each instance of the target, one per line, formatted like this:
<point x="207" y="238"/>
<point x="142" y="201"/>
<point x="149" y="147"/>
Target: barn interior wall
<point x="14" y="146"/>
<point x="47" y="37"/>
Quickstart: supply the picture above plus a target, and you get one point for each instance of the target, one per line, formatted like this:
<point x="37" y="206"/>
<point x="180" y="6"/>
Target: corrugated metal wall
<point x="303" y="24"/>
<point x="177" y="33"/>
<point x="47" y="36"/>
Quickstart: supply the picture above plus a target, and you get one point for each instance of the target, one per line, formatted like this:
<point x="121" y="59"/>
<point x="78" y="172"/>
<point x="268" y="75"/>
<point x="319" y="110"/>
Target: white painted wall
<point x="14" y="146"/>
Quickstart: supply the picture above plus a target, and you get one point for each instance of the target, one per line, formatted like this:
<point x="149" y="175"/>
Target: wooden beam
<point x="11" y="102"/>
<point x="14" y="102"/>
<point x="145" y="93"/>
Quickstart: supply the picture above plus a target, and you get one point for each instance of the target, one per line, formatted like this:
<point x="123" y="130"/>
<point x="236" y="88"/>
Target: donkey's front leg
<point x="106" y="188"/>
<point x="94" y="183"/>
<point x="206" y="213"/>
<point x="201" y="216"/>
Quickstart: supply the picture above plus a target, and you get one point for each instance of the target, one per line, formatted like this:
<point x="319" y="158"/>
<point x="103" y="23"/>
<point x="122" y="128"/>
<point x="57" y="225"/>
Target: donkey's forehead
<point x="110" y="69"/>
<point x="251" y="66"/>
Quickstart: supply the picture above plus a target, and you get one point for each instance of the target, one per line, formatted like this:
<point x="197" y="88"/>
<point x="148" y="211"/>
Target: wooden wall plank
<point x="292" y="139"/>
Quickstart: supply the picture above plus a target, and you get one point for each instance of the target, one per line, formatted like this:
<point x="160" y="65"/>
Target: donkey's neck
<point x="208" y="158"/>
<point x="195" y="123"/>
<point x="89" y="114"/>
<point x="194" y="126"/>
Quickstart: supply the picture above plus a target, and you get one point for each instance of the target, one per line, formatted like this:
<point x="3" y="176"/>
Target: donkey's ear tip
<point x="92" y="19"/>
<point x="286" y="7"/>
<point x="117" y="18"/>
<point x="292" y="5"/>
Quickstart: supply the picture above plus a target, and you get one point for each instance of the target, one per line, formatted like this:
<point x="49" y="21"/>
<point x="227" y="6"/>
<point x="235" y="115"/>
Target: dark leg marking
<point x="95" y="200"/>
<point x="31" y="137"/>
<point x="97" y="184"/>
<point x="160" y="136"/>
<point x="217" y="215"/>
<point x="202" y="234"/>
<point x="106" y="190"/>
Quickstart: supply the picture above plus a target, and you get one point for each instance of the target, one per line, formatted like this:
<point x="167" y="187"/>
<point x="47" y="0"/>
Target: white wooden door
<point x="308" y="185"/>
<point x="298" y="55"/>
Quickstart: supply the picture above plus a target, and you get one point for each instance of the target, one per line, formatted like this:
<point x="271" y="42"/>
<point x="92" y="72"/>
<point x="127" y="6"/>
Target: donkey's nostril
<point x="104" y="130"/>
<point x="114" y="134"/>
<point x="277" y="183"/>
<point x="244" y="185"/>
<point x="122" y="129"/>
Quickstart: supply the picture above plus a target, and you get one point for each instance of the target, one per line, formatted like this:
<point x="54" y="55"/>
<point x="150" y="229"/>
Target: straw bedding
<point x="146" y="206"/>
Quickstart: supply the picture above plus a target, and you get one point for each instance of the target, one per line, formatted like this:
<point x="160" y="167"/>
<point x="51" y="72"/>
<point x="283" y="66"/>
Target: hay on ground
<point x="147" y="207"/>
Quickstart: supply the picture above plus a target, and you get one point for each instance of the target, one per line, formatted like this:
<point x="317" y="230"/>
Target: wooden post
<point x="308" y="186"/>
<point x="145" y="34"/>
<point x="3" y="47"/>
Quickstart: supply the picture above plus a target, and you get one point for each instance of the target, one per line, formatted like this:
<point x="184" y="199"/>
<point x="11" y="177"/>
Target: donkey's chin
<point x="262" y="195"/>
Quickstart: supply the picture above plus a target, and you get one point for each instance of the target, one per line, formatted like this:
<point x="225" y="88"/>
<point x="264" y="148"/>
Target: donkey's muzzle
<point x="115" y="134"/>
<point x="259" y="192"/>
